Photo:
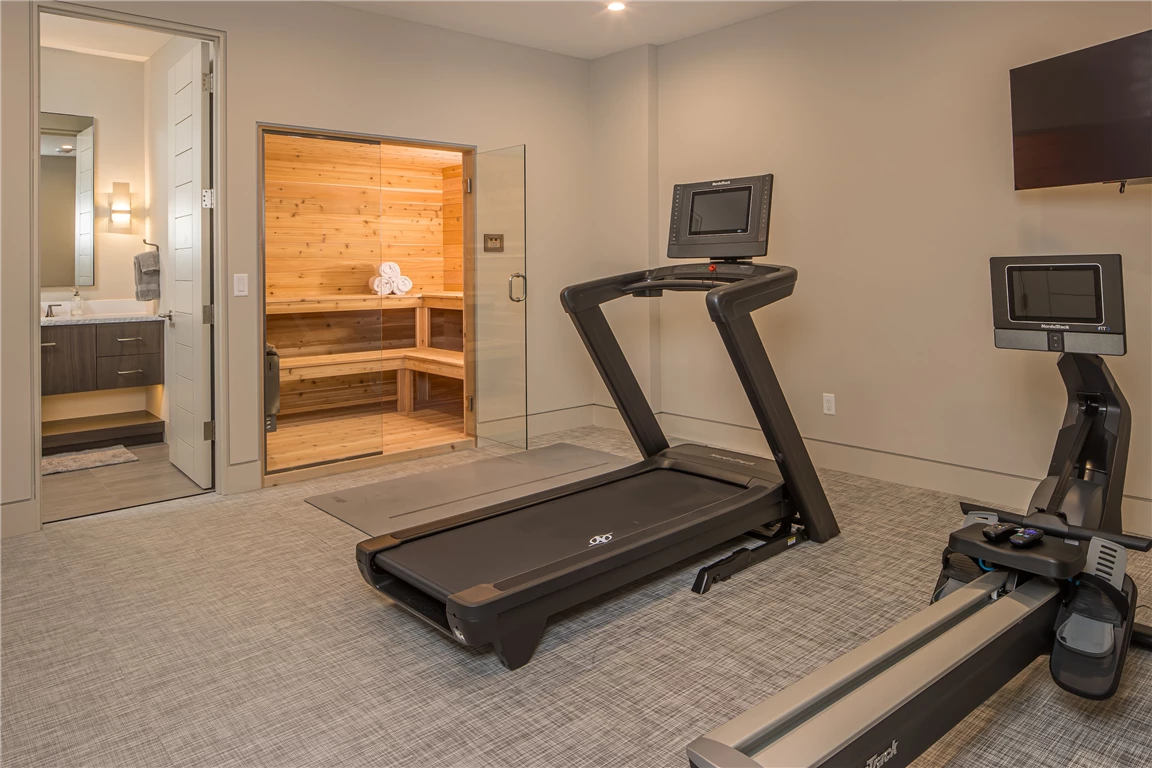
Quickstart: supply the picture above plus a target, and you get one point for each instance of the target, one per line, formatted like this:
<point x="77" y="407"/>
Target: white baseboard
<point x="19" y="517"/>
<point x="607" y="416"/>
<point x="560" y="420"/>
<point x="983" y="484"/>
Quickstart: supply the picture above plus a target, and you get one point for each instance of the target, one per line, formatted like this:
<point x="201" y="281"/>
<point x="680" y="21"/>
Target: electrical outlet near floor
<point x="829" y="404"/>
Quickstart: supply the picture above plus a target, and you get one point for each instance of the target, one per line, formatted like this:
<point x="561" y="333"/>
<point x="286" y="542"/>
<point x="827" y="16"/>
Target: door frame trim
<point x="468" y="154"/>
<point x="218" y="40"/>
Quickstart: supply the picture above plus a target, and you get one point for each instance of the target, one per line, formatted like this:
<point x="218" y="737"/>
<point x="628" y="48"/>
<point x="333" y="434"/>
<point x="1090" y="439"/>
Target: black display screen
<point x="720" y="211"/>
<point x="1085" y="116"/>
<point x="1055" y="294"/>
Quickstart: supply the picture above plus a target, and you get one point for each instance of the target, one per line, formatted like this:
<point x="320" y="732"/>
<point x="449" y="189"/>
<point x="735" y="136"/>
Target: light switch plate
<point x="239" y="285"/>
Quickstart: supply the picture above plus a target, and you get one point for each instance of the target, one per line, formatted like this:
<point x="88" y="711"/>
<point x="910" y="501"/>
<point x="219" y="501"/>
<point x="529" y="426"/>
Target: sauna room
<point x="364" y="303"/>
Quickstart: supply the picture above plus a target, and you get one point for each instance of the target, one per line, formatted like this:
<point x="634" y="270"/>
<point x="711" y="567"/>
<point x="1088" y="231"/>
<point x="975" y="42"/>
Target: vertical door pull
<point x="524" y="286"/>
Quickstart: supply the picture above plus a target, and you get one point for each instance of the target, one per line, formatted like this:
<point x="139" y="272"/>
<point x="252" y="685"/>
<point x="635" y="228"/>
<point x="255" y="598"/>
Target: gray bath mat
<point x="90" y="459"/>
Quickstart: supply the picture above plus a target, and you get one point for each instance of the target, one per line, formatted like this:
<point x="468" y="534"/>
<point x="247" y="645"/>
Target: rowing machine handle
<point x="1055" y="526"/>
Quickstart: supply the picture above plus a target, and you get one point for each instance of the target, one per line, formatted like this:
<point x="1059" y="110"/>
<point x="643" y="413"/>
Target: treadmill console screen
<point x="1059" y="303"/>
<point x="723" y="211"/>
<point x="721" y="220"/>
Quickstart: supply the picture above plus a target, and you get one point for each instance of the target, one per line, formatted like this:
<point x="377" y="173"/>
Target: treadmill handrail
<point x="728" y="302"/>
<point x="729" y="307"/>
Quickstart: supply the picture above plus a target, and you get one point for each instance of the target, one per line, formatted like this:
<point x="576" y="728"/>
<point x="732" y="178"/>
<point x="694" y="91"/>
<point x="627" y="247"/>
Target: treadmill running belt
<point x="491" y="550"/>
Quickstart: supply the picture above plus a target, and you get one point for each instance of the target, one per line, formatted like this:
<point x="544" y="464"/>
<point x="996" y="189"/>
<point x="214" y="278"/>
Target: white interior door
<point x="85" y="154"/>
<point x="188" y="381"/>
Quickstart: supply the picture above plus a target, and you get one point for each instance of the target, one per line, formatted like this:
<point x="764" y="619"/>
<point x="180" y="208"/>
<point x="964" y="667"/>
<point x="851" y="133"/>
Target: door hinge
<point x="210" y="430"/>
<point x="468" y="185"/>
<point x="207" y="198"/>
<point x="469" y="399"/>
<point x="209" y="314"/>
<point x="207" y="82"/>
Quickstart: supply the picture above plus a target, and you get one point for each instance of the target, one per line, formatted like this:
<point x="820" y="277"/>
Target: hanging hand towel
<point x="401" y="285"/>
<point x="390" y="269"/>
<point x="146" y="270"/>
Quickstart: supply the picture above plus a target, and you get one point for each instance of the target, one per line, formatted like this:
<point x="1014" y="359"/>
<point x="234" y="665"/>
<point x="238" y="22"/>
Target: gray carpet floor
<point x="236" y="631"/>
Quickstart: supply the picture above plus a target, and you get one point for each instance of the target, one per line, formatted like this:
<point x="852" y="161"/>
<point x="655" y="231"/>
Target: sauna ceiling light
<point x="616" y="6"/>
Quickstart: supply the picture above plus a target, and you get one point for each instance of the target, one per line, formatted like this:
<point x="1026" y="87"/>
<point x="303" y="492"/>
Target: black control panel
<point x="721" y="219"/>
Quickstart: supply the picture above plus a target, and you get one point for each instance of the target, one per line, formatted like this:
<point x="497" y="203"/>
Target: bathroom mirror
<point x="67" y="213"/>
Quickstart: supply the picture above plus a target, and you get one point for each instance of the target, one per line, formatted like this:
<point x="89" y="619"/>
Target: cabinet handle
<point x="125" y="373"/>
<point x="134" y="338"/>
<point x="47" y="343"/>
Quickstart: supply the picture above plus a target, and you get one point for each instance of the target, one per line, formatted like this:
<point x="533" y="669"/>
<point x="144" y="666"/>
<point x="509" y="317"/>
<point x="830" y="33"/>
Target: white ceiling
<point x="98" y="38"/>
<point x="586" y="29"/>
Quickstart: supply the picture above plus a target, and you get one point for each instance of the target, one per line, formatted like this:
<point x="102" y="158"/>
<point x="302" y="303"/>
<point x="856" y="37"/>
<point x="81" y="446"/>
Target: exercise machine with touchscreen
<point x="494" y="575"/>
<point x="1012" y="588"/>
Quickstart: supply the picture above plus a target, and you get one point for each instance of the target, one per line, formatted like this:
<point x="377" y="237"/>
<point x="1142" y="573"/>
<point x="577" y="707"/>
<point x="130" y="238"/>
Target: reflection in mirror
<point x="66" y="200"/>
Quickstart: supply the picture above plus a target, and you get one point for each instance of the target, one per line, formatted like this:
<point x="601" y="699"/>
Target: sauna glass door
<point x="500" y="291"/>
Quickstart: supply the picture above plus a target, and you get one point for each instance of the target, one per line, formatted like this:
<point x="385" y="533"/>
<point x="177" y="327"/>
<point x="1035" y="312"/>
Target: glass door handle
<point x="524" y="282"/>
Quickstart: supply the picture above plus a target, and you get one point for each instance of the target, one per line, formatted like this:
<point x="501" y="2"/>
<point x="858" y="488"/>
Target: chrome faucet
<point x="49" y="312"/>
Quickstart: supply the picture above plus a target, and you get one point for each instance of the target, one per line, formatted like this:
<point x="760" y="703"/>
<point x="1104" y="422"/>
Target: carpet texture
<point x="236" y="631"/>
<point x="90" y="459"/>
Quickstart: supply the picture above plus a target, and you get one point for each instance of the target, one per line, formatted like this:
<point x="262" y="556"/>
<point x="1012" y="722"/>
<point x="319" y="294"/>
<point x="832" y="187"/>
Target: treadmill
<point x="997" y="606"/>
<point x="495" y="575"/>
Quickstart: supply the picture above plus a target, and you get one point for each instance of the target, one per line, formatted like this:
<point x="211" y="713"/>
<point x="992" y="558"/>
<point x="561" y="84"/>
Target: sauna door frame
<point x="468" y="161"/>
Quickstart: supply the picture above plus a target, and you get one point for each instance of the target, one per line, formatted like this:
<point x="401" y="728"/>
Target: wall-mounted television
<point x="1084" y="117"/>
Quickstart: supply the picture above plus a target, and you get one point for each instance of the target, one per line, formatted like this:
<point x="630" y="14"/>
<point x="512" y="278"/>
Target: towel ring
<point x="152" y="245"/>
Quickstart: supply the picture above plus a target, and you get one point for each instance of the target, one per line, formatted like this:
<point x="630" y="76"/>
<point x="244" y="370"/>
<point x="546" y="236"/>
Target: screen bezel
<point x="1097" y="284"/>
<point x="691" y="206"/>
<point x="721" y="247"/>
<point x="1111" y="291"/>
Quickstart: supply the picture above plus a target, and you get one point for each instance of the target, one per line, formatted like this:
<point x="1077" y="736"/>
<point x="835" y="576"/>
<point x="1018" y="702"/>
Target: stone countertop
<point x="96" y="319"/>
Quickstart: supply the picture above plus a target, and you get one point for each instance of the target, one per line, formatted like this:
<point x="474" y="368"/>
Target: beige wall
<point x="622" y="208"/>
<point x="112" y="91"/>
<point x="325" y="66"/>
<point x="19" y="512"/>
<point x="887" y="127"/>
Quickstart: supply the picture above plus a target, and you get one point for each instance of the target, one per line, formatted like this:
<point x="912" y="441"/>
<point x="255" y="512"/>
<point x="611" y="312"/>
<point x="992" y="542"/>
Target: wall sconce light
<point x="121" y="205"/>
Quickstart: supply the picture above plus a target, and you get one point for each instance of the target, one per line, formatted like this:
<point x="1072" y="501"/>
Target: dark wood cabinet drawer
<point x="129" y="371"/>
<point x="67" y="359"/>
<point x="114" y="339"/>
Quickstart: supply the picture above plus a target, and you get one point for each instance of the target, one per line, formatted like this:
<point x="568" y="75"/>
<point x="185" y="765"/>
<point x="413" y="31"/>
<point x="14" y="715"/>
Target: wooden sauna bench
<point x="422" y="358"/>
<point x="361" y="302"/>
<point x="441" y="362"/>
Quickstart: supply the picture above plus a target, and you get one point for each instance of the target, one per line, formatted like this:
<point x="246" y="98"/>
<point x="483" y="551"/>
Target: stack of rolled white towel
<point x="390" y="281"/>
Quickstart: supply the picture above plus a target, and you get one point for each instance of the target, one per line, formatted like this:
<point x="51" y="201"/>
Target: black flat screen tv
<point x="1084" y="117"/>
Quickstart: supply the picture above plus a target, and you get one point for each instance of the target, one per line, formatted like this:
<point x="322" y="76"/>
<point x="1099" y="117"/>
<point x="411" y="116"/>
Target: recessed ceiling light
<point x="616" y="6"/>
<point x="66" y="146"/>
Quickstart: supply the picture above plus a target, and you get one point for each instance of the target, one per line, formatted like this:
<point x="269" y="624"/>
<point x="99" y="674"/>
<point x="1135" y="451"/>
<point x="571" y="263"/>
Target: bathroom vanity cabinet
<point x="91" y="356"/>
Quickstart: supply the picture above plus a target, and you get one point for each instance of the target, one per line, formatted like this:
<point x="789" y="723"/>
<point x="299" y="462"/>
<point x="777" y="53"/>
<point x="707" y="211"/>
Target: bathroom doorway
<point x="391" y="332"/>
<point x="125" y="262"/>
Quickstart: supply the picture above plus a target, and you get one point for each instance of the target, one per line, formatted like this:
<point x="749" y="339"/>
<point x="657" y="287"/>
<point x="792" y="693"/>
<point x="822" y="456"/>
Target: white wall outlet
<point x="829" y="404"/>
<point x="239" y="285"/>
